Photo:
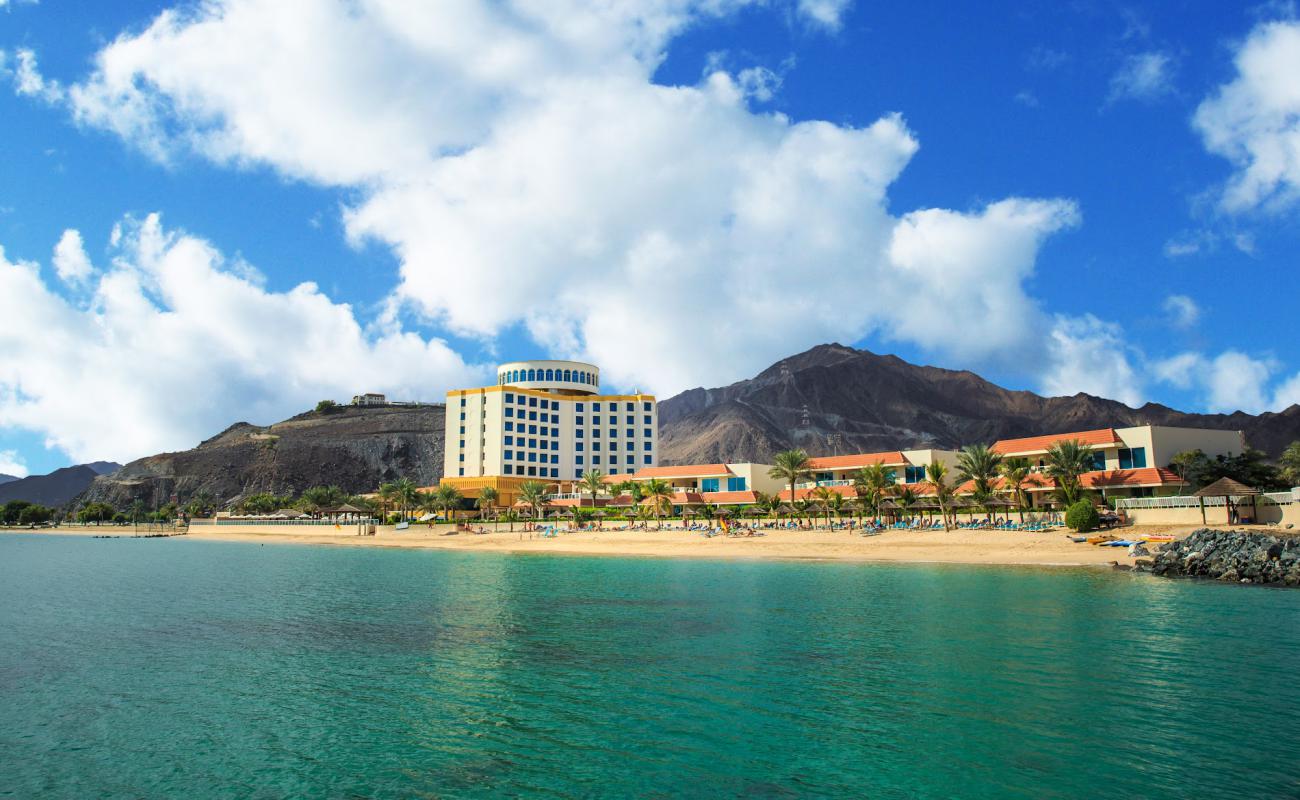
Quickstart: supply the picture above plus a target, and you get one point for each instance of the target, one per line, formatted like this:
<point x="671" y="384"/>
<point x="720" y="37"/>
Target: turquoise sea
<point x="173" y="668"/>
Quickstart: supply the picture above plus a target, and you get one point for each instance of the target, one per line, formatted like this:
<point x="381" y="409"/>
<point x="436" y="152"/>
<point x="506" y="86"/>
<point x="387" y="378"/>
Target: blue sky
<point x="1092" y="198"/>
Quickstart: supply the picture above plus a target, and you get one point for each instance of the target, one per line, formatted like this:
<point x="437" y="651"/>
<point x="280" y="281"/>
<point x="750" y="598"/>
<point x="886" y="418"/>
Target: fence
<point x="1187" y="501"/>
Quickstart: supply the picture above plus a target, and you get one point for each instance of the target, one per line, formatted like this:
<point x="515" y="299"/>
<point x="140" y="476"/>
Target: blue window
<point x="510" y="412"/>
<point x="1098" y="460"/>
<point x="577" y="420"/>
<point x="577" y="460"/>
<point x="577" y="447"/>
<point x="555" y="445"/>
<point x="823" y="476"/>
<point x="595" y="446"/>
<point x="462" y="416"/>
<point x="645" y="407"/>
<point x="595" y="407"/>
<point x="913" y="474"/>
<point x="1135" y="458"/>
<point x="649" y="460"/>
<point x="647" y="445"/>
<point x="510" y="468"/>
<point x="568" y="376"/>
<point x="577" y="474"/>
<point x="462" y="430"/>
<point x="613" y="433"/>
<point x="550" y="374"/>
<point x="555" y="459"/>
<point x="530" y="375"/>
<point x="532" y="402"/>
<point x="595" y="420"/>
<point x="462" y="444"/>
<point x="532" y="442"/>
<point x="630" y="433"/>
<point x="510" y="398"/>
<point x="577" y="407"/>
<point x="647" y="419"/>
<point x="508" y="455"/>
<point x="648" y="433"/>
<point x="735" y="484"/>
<point x="555" y="418"/>
<point x="708" y="484"/>
<point x="462" y="457"/>
<point x="532" y="456"/>
<point x="627" y="406"/>
<point x="555" y="472"/>
<point x="532" y="470"/>
<point x="510" y="426"/>
<point x="510" y="440"/>
<point x="631" y="459"/>
<point x="595" y="460"/>
<point x="461" y="471"/>
<point x="462" y="402"/>
<point x="521" y="400"/>
<point x="578" y="433"/>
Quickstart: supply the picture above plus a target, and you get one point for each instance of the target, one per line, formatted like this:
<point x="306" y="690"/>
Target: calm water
<point x="150" y="668"/>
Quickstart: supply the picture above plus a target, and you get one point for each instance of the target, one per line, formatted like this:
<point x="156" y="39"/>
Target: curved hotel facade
<point x="545" y="421"/>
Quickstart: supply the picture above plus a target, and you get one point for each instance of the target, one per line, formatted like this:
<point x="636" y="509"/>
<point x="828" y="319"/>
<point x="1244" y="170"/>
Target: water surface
<point x="163" y="668"/>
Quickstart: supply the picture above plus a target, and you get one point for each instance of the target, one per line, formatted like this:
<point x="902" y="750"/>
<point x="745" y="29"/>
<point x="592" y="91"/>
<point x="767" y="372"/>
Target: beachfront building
<point x="908" y="468"/>
<point x="544" y="421"/>
<point x="1127" y="462"/>
<point x="369" y="399"/>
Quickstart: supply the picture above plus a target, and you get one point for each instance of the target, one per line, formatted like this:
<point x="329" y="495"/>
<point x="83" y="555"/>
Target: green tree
<point x="407" y="494"/>
<point x="979" y="464"/>
<point x="95" y="512"/>
<point x="791" y="467"/>
<point x="1290" y="464"/>
<point x="323" y="496"/>
<point x="1015" y="473"/>
<point x="593" y="483"/>
<point x="12" y="510"/>
<point x="533" y="494"/>
<point x="660" y="495"/>
<point x="326" y="407"/>
<point x="943" y="490"/>
<point x="871" y="484"/>
<point x="823" y="495"/>
<point x="1067" y="461"/>
<point x="1082" y="516"/>
<point x="486" y="502"/>
<point x="448" y="498"/>
<point x="34" y="514"/>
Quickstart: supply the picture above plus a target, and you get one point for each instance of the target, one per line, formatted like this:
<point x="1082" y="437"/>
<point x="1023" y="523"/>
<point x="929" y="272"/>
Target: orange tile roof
<point x="1146" y="476"/>
<point x="684" y="471"/>
<point x="729" y="498"/>
<point x="1034" y="444"/>
<point x="857" y="460"/>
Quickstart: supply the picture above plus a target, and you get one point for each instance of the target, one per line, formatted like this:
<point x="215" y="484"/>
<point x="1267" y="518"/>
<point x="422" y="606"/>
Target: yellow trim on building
<point x="548" y="395"/>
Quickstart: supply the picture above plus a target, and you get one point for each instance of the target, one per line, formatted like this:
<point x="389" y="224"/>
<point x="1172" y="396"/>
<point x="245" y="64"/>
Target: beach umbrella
<point x="1227" y="488"/>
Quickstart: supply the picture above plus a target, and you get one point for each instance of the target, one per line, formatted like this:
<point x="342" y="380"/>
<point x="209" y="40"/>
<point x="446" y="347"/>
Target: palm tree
<point x="533" y="493"/>
<point x="660" y="495"/>
<point x="906" y="499"/>
<point x="427" y="502"/>
<point x="1015" y="471"/>
<point x="979" y="464"/>
<point x="487" y="501"/>
<point x="835" y="503"/>
<point x="1066" y="461"/>
<point x="823" y="495"/>
<point x="791" y="466"/>
<point x="387" y="497"/>
<point x="448" y="498"/>
<point x="406" y="493"/>
<point x="593" y="483"/>
<point x="512" y="517"/>
<point x="943" y="491"/>
<point x="871" y="484"/>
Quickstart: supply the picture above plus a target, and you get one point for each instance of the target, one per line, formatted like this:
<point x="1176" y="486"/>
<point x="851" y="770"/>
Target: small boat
<point x="1163" y="537"/>
<point x="1079" y="539"/>
<point x="1119" y="543"/>
<point x="1100" y="539"/>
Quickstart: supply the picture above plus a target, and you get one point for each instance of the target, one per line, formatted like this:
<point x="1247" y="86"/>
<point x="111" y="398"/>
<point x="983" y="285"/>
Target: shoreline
<point x="1000" y="548"/>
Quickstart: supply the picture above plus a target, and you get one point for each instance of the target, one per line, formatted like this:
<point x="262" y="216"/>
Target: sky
<point x="228" y="210"/>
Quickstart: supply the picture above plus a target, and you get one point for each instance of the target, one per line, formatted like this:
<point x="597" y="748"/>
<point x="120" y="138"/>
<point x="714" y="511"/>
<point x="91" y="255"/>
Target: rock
<point x="1230" y="556"/>
<point x="1138" y="549"/>
<point x="1142" y="565"/>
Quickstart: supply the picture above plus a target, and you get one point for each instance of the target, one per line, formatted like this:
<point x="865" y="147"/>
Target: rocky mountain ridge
<point x="57" y="487"/>
<point x="834" y="399"/>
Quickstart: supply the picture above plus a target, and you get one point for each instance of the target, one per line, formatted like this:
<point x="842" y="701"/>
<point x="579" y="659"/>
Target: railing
<point x="1187" y="501"/>
<point x="811" y="484"/>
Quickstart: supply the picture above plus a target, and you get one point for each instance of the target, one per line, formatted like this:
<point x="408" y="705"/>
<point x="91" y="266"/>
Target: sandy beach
<point x="954" y="547"/>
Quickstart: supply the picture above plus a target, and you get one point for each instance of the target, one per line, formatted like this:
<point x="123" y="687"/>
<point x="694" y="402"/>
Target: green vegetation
<point x="660" y="495"/>
<point x="326" y="407"/>
<point x="1249" y="467"/>
<point x="21" y="512"/>
<point x="1082" y="517"/>
<point x="943" y="491"/>
<point x="1067" y="461"/>
<point x="871" y="484"/>
<point x="1015" y="472"/>
<point x="593" y="483"/>
<point x="533" y="493"/>
<point x="1289" y="464"/>
<point x="791" y="466"/>
<point x="96" y="512"/>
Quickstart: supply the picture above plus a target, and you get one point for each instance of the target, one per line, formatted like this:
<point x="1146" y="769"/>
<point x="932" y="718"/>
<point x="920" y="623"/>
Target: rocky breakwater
<point x="1234" y="556"/>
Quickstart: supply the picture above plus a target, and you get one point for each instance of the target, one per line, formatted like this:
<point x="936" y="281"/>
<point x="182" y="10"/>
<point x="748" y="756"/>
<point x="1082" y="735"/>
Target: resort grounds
<point x="963" y="546"/>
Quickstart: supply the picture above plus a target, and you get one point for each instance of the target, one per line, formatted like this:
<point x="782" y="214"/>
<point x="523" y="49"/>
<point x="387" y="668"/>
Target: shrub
<point x="326" y="407"/>
<point x="1082" y="517"/>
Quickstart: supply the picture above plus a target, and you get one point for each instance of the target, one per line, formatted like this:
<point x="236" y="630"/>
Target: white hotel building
<point x="545" y="421"/>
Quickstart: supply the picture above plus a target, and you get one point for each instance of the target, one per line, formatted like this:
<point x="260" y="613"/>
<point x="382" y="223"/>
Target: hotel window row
<point x="533" y="375"/>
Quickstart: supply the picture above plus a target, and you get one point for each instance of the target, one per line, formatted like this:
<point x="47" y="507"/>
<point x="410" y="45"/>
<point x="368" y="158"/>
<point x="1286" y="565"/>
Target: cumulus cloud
<point x="1231" y="381"/>
<point x="176" y="338"/>
<point x="27" y="78"/>
<point x="1254" y="120"/>
<point x="828" y="14"/>
<point x="526" y="170"/>
<point x="1182" y="310"/>
<point x="1142" y="76"/>
<point x="70" y="259"/>
<point x="10" y="462"/>
<point x="1090" y="355"/>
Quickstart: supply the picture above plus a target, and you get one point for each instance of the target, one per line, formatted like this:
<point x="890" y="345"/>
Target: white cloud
<point x="177" y="343"/>
<point x="27" y="78"/>
<point x="829" y="14"/>
<point x="70" y="259"/>
<point x="1230" y="381"/>
<point x="1184" y="245"/>
<point x="1090" y="355"/>
<point x="1254" y="121"/>
<point x="522" y="165"/>
<point x="10" y="462"/>
<point x="1288" y="393"/>
<point x="1142" y="76"/>
<point x="1182" y="310"/>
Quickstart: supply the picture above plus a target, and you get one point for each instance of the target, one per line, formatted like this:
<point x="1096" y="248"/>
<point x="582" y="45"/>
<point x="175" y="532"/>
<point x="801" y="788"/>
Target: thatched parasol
<point x="1227" y="488"/>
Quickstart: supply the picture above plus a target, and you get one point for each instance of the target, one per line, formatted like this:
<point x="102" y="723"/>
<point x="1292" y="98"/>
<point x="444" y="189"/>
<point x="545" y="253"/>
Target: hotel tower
<point x="545" y="421"/>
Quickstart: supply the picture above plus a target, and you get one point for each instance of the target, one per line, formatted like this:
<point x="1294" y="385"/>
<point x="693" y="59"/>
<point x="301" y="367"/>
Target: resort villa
<point x="547" y="421"/>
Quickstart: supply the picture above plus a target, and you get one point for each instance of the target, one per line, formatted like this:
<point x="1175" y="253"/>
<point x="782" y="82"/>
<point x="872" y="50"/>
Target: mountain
<point x="834" y="399"/>
<point x="354" y="447"/>
<point x="56" y="488"/>
<point x="104" y="467"/>
<point x="7" y="478"/>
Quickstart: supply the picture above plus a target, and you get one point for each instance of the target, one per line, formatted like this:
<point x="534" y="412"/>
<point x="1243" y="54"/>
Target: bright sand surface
<point x="958" y="546"/>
